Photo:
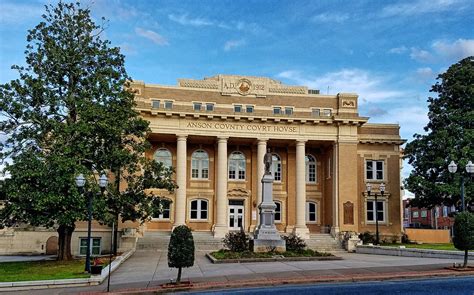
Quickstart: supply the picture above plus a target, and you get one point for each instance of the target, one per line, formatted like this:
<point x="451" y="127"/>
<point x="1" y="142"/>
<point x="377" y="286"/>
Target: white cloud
<point x="185" y="20"/>
<point x="331" y="17"/>
<point x="458" y="49"/>
<point x="424" y="74"/>
<point x="368" y="86"/>
<point x="417" y="7"/>
<point x="231" y="44"/>
<point x="398" y="50"/>
<point x="151" y="35"/>
<point x="420" y="55"/>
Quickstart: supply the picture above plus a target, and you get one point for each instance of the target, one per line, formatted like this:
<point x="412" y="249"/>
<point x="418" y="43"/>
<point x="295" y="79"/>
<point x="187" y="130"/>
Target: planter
<point x="96" y="269"/>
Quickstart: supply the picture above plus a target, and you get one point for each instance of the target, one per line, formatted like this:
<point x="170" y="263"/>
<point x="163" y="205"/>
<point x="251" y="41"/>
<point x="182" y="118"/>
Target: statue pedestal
<point x="266" y="236"/>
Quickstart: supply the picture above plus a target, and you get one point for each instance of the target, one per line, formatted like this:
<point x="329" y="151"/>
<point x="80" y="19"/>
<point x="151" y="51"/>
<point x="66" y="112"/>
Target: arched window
<point x="237" y="166"/>
<point x="310" y="162"/>
<point x="278" y="212"/>
<point x="163" y="155"/>
<point x="200" y="165"/>
<point x="311" y="212"/>
<point x="276" y="167"/>
<point x="165" y="211"/>
<point x="198" y="210"/>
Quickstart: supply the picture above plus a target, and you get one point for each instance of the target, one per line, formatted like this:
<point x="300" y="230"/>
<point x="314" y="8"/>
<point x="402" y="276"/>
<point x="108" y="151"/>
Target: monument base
<point x="263" y="246"/>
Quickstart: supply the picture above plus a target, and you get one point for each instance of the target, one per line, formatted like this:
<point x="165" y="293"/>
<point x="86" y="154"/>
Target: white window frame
<point x="197" y="106"/>
<point x="276" y="168"/>
<point x="315" y="112"/>
<point x="199" y="209"/>
<point x="237" y="163"/>
<point x="251" y="107"/>
<point x="155" y="104"/>
<point x="327" y="112"/>
<point x="161" y="215"/>
<point x="288" y="111"/>
<point x="275" y="112"/>
<point x="209" y="107"/>
<point x="308" y="165"/>
<point x="168" y="105"/>
<point x="374" y="170"/>
<point x="199" y="164"/>
<point x="424" y="214"/>
<point x="384" y="211"/>
<point x="307" y="215"/>
<point x="92" y="246"/>
<point x="170" y="159"/>
<point x="415" y="214"/>
<point x="237" y="106"/>
<point x="278" y="204"/>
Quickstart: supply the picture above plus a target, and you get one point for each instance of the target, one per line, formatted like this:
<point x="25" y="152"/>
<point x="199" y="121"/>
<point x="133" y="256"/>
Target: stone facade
<point x="215" y="132"/>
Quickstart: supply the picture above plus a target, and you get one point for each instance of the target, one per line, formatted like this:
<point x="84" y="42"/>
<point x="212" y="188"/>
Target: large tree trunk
<point x="64" y="242"/>
<point x="466" y="255"/>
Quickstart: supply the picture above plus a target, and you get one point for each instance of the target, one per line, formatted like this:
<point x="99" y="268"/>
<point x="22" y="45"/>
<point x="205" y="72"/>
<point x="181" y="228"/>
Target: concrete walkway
<point x="148" y="269"/>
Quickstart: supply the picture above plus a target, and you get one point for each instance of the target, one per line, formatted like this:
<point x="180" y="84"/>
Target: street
<point x="455" y="285"/>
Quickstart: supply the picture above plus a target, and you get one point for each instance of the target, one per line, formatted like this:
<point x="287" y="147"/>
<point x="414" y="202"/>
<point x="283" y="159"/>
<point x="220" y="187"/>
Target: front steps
<point x="205" y="241"/>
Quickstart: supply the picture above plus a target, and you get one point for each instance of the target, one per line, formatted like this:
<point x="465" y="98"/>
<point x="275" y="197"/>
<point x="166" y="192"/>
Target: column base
<point x="302" y="232"/>
<point x="334" y="231"/>
<point x="220" y="231"/>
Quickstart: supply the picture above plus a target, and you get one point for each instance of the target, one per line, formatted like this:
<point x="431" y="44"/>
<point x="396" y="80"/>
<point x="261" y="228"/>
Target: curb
<point x="63" y="283"/>
<point x="199" y="286"/>
<point x="410" y="252"/>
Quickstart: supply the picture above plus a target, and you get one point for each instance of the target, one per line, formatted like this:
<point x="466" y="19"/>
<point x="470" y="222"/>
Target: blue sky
<point x="389" y="52"/>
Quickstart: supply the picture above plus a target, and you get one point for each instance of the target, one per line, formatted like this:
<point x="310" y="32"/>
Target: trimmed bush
<point x="464" y="233"/>
<point x="367" y="237"/>
<point x="181" y="249"/>
<point x="294" y="243"/>
<point x="237" y="241"/>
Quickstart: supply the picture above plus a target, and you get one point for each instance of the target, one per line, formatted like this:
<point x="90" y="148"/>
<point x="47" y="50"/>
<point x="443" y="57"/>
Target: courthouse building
<point x="215" y="132"/>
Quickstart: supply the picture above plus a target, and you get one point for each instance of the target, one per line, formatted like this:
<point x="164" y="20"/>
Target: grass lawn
<point x="426" y="246"/>
<point x="41" y="270"/>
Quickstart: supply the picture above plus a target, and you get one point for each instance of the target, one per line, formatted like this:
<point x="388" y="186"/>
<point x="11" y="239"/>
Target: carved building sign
<point x="261" y="128"/>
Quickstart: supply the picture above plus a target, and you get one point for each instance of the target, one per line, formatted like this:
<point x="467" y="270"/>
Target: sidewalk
<point x="149" y="269"/>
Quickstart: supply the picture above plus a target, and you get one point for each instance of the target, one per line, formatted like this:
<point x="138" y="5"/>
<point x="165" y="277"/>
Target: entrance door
<point x="236" y="215"/>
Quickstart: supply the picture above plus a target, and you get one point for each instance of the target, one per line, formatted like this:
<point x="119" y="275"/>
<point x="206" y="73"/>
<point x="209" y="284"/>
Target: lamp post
<point x="452" y="168"/>
<point x="382" y="191"/>
<point x="80" y="182"/>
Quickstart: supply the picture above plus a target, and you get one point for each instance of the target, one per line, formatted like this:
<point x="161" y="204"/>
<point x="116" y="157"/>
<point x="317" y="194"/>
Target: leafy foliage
<point x="237" y="241"/>
<point x="367" y="237"/>
<point x="450" y="134"/>
<point x="294" y="243"/>
<point x="71" y="112"/>
<point x="181" y="249"/>
<point x="464" y="233"/>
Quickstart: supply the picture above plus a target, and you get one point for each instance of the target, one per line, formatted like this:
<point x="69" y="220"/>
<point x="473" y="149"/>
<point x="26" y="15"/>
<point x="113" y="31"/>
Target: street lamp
<point x="382" y="191"/>
<point x="80" y="182"/>
<point x="452" y="168"/>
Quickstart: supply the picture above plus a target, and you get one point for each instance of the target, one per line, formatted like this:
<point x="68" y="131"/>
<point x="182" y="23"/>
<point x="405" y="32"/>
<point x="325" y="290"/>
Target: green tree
<point x="464" y="233"/>
<point x="71" y="112"/>
<point x="181" y="249"/>
<point x="449" y="136"/>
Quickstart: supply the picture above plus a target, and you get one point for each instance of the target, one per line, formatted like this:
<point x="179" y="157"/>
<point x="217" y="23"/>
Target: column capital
<point x="301" y="141"/>
<point x="181" y="136"/>
<point x="222" y="138"/>
<point x="262" y="140"/>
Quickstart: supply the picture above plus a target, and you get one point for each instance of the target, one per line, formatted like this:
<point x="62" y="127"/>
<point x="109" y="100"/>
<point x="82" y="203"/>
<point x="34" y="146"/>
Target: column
<point x="261" y="150"/>
<point x="180" y="202"/>
<point x="335" y="192"/>
<point x="300" y="227"/>
<point x="220" y="228"/>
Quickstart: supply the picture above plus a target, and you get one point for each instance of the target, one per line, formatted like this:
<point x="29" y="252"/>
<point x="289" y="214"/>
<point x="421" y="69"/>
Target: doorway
<point x="236" y="214"/>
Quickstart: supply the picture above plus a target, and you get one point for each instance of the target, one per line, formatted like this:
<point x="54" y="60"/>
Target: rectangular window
<point x="327" y="112"/>
<point x="198" y="209"/>
<point x="415" y="214"/>
<point x="155" y="104"/>
<point x="288" y="111"/>
<point x="95" y="246"/>
<point x="371" y="211"/>
<point x="374" y="170"/>
<point x="311" y="212"/>
<point x="249" y="109"/>
<point x="278" y="212"/>
<point x="237" y="108"/>
<point x="423" y="214"/>
<point x="168" y="104"/>
<point x="277" y="110"/>
<point x="445" y="211"/>
<point x="197" y="106"/>
<point x="209" y="107"/>
<point x="315" y="112"/>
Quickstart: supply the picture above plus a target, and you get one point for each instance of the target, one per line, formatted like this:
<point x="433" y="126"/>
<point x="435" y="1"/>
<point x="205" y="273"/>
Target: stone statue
<point x="267" y="160"/>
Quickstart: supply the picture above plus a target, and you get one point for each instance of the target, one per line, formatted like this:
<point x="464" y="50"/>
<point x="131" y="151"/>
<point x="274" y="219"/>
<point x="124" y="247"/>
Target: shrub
<point x="464" y="233"/>
<point x="405" y="239"/>
<point x="237" y="241"/>
<point x="181" y="249"/>
<point x="294" y="243"/>
<point x="367" y="237"/>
